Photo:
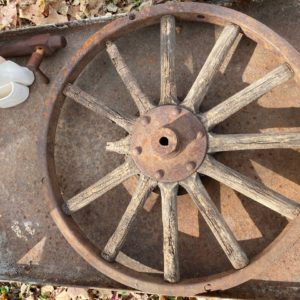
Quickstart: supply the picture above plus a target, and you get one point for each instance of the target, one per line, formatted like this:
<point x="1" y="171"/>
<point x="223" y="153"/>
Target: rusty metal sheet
<point x="186" y="12"/>
<point x="78" y="166"/>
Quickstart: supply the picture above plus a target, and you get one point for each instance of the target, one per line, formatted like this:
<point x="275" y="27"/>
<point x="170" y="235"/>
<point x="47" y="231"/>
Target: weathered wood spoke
<point x="111" y="180"/>
<point x="236" y="142"/>
<point x="96" y="106"/>
<point x="170" y="230"/>
<point x="215" y="221"/>
<point x="122" y="146"/>
<point x="113" y="246"/>
<point x="249" y="94"/>
<point x="205" y="77"/>
<point x="168" y="92"/>
<point x="249" y="188"/>
<point x="141" y="100"/>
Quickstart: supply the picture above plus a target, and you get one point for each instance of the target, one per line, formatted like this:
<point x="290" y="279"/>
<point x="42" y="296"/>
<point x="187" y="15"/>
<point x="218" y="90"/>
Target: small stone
<point x="145" y="4"/>
<point x="112" y="8"/>
<point x="47" y="290"/>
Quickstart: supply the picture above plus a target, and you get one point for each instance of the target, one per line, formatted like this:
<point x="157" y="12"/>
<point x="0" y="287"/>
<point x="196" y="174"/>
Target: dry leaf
<point x="77" y="292"/>
<point x="73" y="11"/>
<point x="25" y="3"/>
<point x="8" y="15"/>
<point x="46" y="290"/>
<point x="63" y="296"/>
<point x="34" y="13"/>
<point x="3" y="297"/>
<point x="43" y="6"/>
<point x="89" y="8"/>
<point x="95" y="6"/>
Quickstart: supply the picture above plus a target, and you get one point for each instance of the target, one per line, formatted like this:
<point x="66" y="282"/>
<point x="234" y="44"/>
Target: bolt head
<point x="131" y="16"/>
<point x="190" y="166"/>
<point x="145" y="120"/>
<point x="159" y="174"/>
<point x="137" y="151"/>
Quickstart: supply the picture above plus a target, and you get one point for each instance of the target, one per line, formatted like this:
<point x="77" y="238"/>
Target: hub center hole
<point x="164" y="141"/>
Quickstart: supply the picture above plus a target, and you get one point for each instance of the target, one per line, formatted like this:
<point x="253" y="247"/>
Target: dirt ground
<point x="15" y="291"/>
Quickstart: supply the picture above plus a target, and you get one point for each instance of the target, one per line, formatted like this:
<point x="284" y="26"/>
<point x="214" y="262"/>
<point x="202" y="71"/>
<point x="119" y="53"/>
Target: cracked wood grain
<point x="168" y="92"/>
<point x="141" y="100"/>
<point x="121" y="146"/>
<point x="250" y="188"/>
<point x="93" y="104"/>
<point x="215" y="221"/>
<point x="249" y="94"/>
<point x="255" y="141"/>
<point x="106" y="183"/>
<point x="142" y="191"/>
<point x="210" y="68"/>
<point x="170" y="230"/>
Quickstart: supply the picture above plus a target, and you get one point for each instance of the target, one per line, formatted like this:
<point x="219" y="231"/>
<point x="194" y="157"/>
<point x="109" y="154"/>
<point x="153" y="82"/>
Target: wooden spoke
<point x="249" y="94"/>
<point x="122" y="146"/>
<point x="205" y="77"/>
<point x="102" y="186"/>
<point x="215" y="221"/>
<point x="250" y="188"/>
<point x="236" y="142"/>
<point x="168" y="93"/>
<point x="93" y="104"/>
<point x="113" y="246"/>
<point x="170" y="230"/>
<point x="141" y="100"/>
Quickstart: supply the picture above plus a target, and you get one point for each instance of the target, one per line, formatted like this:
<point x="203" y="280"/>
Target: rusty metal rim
<point x="184" y="11"/>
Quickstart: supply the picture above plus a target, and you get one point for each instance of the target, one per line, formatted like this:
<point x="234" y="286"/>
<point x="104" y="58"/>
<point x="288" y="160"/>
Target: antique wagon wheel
<point x="170" y="144"/>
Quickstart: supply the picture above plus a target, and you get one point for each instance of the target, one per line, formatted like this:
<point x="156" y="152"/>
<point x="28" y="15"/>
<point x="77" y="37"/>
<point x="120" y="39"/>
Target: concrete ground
<point x="32" y="249"/>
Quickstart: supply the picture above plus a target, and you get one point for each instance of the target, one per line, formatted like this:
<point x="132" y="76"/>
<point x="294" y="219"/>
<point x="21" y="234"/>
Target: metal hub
<point x="168" y="143"/>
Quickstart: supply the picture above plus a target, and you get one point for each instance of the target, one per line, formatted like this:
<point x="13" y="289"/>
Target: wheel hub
<point x="168" y="143"/>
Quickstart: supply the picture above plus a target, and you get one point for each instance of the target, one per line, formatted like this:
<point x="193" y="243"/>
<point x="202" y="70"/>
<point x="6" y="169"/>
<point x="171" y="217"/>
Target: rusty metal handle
<point x="50" y="44"/>
<point x="35" y="61"/>
<point x="38" y="47"/>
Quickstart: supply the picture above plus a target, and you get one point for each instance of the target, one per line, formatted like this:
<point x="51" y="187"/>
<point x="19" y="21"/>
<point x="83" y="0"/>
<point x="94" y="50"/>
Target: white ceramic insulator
<point x="10" y="71"/>
<point x="12" y="94"/>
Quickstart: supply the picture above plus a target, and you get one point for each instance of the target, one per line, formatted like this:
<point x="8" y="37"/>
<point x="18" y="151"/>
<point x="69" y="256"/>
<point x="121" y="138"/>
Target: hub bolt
<point x="159" y="174"/>
<point x="145" y="120"/>
<point x="190" y="166"/>
<point x="137" y="151"/>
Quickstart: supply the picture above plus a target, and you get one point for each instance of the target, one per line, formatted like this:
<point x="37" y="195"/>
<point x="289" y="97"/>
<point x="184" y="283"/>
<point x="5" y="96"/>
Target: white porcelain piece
<point x="12" y="94"/>
<point x="10" y="71"/>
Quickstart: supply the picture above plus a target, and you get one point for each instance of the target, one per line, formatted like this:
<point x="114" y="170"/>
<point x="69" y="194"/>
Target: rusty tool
<point x="38" y="47"/>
